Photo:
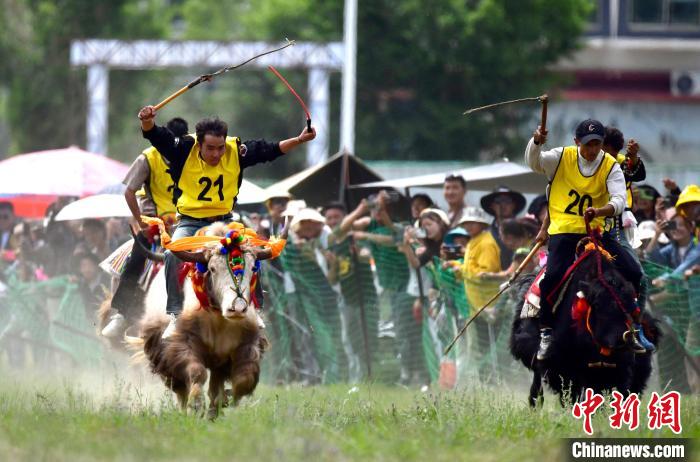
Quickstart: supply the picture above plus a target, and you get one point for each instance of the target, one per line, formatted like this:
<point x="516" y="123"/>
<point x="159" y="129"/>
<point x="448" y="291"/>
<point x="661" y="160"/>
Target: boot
<point x="645" y="343"/>
<point x="544" y="351"/>
<point x="633" y="343"/>
<point x="115" y="327"/>
<point x="170" y="329"/>
<point x="641" y="339"/>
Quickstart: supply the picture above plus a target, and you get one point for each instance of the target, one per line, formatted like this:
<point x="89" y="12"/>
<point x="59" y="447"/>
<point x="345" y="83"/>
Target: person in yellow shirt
<point x="207" y="168"/>
<point x="150" y="191"/>
<point x="482" y="255"/>
<point x="585" y="183"/>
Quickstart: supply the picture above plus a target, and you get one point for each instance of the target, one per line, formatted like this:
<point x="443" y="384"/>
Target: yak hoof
<point x="228" y="397"/>
<point x="213" y="413"/>
<point x="195" y="401"/>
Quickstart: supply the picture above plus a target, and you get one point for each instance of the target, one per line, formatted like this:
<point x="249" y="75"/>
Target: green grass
<point x="109" y="419"/>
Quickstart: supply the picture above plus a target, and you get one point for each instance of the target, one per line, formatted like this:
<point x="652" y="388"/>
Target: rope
<point x="599" y="263"/>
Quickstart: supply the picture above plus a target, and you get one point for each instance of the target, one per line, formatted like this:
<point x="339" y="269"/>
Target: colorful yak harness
<point x="581" y="309"/>
<point x="229" y="246"/>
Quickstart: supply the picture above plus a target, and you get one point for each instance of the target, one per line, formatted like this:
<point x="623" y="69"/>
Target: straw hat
<point x="306" y="214"/>
<point x="442" y="215"/>
<point x="474" y="214"/>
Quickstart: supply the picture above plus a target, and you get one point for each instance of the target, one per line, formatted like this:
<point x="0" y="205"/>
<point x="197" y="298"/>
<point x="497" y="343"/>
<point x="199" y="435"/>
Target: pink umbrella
<point x="59" y="172"/>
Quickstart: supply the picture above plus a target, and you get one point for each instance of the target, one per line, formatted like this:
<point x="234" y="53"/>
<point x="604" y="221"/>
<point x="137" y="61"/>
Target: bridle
<point x="605" y="351"/>
<point x="597" y="250"/>
<point x="231" y="250"/>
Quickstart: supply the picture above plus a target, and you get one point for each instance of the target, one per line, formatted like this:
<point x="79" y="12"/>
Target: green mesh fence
<point x="49" y="320"/>
<point x="676" y="302"/>
<point x="358" y="311"/>
<point x="361" y="313"/>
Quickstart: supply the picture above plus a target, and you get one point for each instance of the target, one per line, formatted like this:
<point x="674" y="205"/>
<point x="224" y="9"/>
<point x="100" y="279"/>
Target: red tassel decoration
<point x="183" y="271"/>
<point x="579" y="310"/>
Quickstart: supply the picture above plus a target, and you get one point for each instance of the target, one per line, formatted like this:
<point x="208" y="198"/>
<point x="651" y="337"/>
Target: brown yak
<point x="224" y="337"/>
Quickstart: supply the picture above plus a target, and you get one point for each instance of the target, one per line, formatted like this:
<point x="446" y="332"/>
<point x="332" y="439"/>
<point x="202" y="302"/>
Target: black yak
<point x="591" y="326"/>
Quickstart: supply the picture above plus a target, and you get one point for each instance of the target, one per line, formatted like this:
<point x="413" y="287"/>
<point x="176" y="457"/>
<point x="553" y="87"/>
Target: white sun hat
<point x="475" y="214"/>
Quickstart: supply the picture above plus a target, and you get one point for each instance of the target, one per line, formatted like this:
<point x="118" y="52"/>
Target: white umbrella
<point x="59" y="172"/>
<point x="114" y="205"/>
<point x="98" y="206"/>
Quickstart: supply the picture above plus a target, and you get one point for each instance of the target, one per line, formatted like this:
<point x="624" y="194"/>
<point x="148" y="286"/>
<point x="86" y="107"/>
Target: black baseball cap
<point x="590" y="130"/>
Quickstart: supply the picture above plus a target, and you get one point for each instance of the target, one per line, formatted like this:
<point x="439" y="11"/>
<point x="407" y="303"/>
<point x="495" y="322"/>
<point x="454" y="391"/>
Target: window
<point x="647" y="11"/>
<point x="597" y="20"/>
<point x="684" y="11"/>
<point x="665" y="14"/>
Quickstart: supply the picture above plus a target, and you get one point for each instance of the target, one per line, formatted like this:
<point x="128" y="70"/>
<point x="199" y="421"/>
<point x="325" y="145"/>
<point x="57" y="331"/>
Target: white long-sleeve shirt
<point x="546" y="163"/>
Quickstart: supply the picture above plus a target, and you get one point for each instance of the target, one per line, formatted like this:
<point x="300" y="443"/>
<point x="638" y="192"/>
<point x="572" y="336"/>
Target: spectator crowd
<point x="358" y="292"/>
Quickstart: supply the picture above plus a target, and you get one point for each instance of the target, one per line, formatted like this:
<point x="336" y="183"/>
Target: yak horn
<point x="155" y="256"/>
<point x="194" y="257"/>
<point x="260" y="253"/>
<point x="184" y="255"/>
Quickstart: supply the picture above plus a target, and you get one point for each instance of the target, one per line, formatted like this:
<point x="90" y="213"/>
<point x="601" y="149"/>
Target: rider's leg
<point x="125" y="298"/>
<point x="185" y="228"/>
<point x="627" y="262"/>
<point x="562" y="248"/>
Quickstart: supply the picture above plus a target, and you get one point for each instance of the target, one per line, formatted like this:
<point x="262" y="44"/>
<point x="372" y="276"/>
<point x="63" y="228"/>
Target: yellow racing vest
<point x="160" y="183"/>
<point x="621" y="158"/>
<point x="571" y="193"/>
<point x="209" y="191"/>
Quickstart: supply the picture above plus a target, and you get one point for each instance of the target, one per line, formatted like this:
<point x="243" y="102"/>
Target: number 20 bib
<point x="571" y="193"/>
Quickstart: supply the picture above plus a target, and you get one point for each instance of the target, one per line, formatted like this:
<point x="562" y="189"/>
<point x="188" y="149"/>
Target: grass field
<point x="109" y="418"/>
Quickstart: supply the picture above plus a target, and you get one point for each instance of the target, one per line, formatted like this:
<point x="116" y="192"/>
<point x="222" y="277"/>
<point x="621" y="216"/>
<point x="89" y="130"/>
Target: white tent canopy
<point x="324" y="182"/>
<point x="250" y="193"/>
<point x="481" y="178"/>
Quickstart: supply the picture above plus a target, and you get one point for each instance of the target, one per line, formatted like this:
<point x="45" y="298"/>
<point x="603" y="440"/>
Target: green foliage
<point x="47" y="98"/>
<point x="420" y="64"/>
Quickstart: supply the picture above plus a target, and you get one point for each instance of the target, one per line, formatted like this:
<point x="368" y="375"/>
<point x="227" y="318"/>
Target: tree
<point x="421" y="63"/>
<point x="47" y="98"/>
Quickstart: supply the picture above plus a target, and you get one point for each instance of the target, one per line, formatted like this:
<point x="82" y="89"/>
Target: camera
<point x="670" y="226"/>
<point x="373" y="199"/>
<point x="452" y="251"/>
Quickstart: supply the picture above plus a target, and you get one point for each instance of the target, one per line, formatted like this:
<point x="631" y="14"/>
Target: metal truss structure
<point x="320" y="59"/>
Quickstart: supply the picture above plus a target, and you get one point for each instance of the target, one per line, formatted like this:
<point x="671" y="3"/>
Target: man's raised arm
<point x="160" y="137"/>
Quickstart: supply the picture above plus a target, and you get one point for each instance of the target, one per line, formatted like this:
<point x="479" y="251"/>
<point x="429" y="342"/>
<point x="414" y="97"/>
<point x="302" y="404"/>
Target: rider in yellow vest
<point x="207" y="168"/>
<point x="633" y="169"/>
<point x="150" y="191"/>
<point x="584" y="182"/>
